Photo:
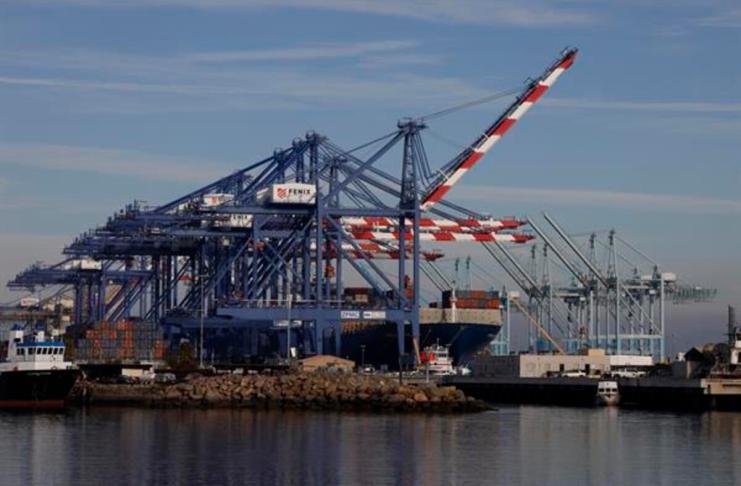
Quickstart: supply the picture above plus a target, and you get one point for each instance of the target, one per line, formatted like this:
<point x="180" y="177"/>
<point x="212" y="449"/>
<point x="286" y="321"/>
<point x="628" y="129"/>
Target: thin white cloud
<point x="263" y="90"/>
<point x="115" y="82"/>
<point x="727" y="19"/>
<point x="103" y="61"/>
<point x="117" y="162"/>
<point x="397" y="60"/>
<point x="612" y="199"/>
<point x="654" y="106"/>
<point x="313" y="52"/>
<point x="181" y="89"/>
<point x="533" y="13"/>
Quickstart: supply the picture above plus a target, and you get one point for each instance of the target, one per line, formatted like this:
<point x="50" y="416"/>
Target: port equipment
<point x="268" y="247"/>
<point x="593" y="290"/>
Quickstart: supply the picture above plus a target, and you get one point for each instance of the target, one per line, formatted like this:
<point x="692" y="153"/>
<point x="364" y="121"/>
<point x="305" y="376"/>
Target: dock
<point x="511" y="389"/>
<point x="659" y="393"/>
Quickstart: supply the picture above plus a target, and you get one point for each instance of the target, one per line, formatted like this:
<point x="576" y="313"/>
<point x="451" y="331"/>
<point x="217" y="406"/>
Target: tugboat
<point x="35" y="374"/>
<point x="436" y="359"/>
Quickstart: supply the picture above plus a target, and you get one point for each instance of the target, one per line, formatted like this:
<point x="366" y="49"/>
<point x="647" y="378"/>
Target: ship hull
<point x="48" y="389"/>
<point x="376" y="344"/>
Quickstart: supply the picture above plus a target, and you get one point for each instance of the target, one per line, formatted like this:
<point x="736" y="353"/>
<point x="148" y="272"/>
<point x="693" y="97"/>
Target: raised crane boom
<point x="466" y="159"/>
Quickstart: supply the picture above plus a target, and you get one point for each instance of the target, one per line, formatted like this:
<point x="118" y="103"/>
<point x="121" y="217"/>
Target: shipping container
<point x="28" y="302"/>
<point x="288" y="193"/>
<point x="216" y="199"/>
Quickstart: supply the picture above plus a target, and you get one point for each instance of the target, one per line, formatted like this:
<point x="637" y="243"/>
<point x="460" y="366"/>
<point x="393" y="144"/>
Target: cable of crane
<point x="639" y="252"/>
<point x="438" y="114"/>
<point x="468" y="104"/>
<point x="589" y="233"/>
<point x="367" y="144"/>
<point x="452" y="143"/>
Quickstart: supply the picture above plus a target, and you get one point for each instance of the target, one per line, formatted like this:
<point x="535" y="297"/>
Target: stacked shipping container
<point x="472" y="299"/>
<point x="122" y="341"/>
<point x="361" y="296"/>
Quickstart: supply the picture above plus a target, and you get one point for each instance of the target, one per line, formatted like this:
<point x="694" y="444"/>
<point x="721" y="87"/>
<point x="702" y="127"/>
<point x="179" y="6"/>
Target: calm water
<point x="517" y="445"/>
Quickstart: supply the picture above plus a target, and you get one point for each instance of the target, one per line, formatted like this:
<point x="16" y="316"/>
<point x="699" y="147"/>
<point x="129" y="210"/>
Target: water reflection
<point x="514" y="445"/>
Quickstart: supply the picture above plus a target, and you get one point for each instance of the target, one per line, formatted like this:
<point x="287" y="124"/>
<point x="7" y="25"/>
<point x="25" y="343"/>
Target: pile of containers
<point x="360" y="296"/>
<point x="472" y="299"/>
<point x="122" y="341"/>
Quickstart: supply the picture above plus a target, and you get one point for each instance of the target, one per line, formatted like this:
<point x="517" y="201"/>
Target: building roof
<point x="325" y="360"/>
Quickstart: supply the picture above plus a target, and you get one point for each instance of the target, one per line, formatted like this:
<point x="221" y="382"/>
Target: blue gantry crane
<point x="269" y="246"/>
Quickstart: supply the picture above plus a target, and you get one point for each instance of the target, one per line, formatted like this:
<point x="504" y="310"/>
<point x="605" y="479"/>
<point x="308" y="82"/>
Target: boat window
<point x="31" y="350"/>
<point x="19" y="351"/>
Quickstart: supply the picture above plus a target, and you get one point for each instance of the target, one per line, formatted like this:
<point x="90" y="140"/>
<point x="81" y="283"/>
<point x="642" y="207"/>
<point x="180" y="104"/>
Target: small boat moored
<point x="607" y="393"/>
<point x="35" y="374"/>
<point x="436" y="359"/>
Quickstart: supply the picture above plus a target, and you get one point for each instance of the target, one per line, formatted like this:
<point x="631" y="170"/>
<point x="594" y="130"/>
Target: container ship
<point x="464" y="321"/>
<point x="35" y="373"/>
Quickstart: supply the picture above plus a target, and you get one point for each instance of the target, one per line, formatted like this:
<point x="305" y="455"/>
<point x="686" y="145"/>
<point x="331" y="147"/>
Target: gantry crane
<point x="271" y="242"/>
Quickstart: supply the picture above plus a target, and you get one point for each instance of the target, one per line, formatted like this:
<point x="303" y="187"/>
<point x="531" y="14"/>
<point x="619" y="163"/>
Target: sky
<point x="107" y="101"/>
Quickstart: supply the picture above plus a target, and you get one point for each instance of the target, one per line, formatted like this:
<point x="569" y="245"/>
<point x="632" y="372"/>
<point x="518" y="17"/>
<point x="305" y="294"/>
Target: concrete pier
<point x="646" y="392"/>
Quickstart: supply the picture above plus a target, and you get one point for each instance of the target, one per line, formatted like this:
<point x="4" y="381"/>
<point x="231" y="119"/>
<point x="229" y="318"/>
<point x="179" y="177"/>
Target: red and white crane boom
<point x="469" y="156"/>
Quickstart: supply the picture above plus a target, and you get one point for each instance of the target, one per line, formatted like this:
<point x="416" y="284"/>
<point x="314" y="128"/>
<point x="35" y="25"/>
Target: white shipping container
<point x="288" y="193"/>
<point x="216" y="199"/>
<point x="83" y="264"/>
<point x="90" y="264"/>
<point x="28" y="302"/>
<point x="236" y="221"/>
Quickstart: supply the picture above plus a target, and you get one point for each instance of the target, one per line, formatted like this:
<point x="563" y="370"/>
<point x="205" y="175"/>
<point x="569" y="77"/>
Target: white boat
<point x="35" y="373"/>
<point x="607" y="393"/>
<point x="436" y="359"/>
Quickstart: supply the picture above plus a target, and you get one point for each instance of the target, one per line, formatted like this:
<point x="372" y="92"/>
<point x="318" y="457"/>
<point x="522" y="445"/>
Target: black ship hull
<point x="47" y="389"/>
<point x="376" y="344"/>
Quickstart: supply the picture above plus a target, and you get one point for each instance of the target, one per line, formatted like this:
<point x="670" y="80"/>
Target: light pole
<point x="203" y="311"/>
<point x="362" y="356"/>
<point x="288" y="330"/>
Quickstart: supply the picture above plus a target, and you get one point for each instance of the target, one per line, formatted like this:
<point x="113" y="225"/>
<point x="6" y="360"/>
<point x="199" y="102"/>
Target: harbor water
<point x="511" y="445"/>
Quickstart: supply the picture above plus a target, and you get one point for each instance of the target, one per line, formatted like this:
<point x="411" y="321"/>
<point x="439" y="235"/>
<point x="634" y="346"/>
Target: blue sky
<point x="108" y="101"/>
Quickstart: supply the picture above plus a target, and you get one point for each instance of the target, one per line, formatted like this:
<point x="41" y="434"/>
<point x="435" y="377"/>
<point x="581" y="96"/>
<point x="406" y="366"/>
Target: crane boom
<point x="469" y="156"/>
<point x="444" y="236"/>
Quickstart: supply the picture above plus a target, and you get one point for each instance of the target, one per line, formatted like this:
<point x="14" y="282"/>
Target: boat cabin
<point x="437" y="360"/>
<point x="37" y="352"/>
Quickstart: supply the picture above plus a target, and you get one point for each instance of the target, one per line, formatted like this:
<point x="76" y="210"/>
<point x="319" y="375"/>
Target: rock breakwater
<point x="312" y="391"/>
